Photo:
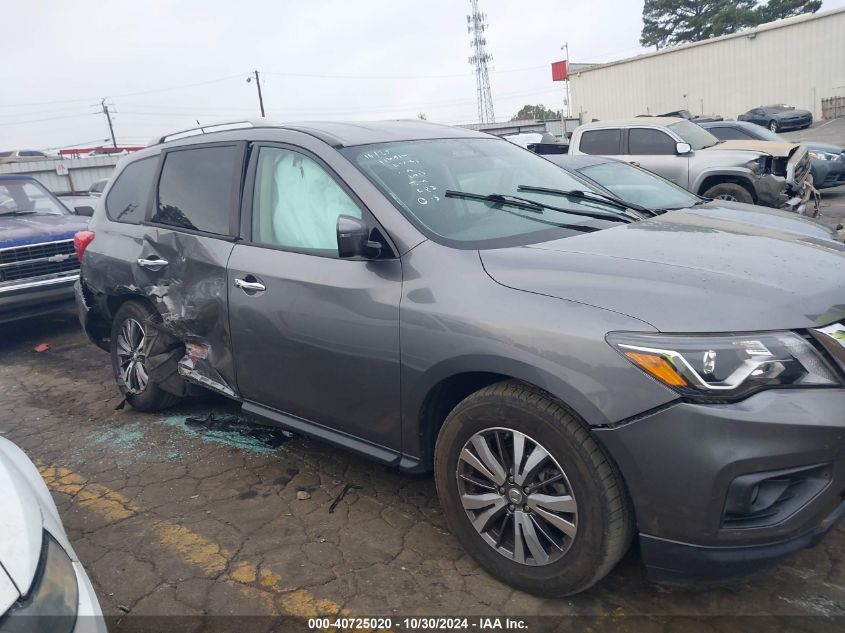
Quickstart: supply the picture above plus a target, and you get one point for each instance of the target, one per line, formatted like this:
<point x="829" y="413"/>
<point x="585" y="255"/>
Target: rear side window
<point x="728" y="134"/>
<point x="197" y="189"/>
<point x="644" y="141"/>
<point x="601" y="142"/>
<point x="127" y="200"/>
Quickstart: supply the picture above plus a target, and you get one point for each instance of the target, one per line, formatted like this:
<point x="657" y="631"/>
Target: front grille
<point x="802" y="168"/>
<point x="37" y="260"/>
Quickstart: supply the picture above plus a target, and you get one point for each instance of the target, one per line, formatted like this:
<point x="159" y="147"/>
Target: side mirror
<point x="682" y="148"/>
<point x="353" y="238"/>
<point x="84" y="210"/>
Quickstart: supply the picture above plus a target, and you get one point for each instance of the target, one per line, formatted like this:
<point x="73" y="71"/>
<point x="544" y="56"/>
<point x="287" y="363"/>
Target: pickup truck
<point x="752" y="172"/>
<point x="37" y="261"/>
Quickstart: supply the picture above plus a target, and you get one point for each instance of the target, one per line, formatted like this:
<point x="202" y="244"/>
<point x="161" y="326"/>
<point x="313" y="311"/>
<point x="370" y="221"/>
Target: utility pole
<point x="565" y="48"/>
<point x="108" y="118"/>
<point x="476" y="25"/>
<point x="258" y="85"/>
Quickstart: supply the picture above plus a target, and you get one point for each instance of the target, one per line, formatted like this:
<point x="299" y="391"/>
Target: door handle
<point x="152" y="264"/>
<point x="251" y="286"/>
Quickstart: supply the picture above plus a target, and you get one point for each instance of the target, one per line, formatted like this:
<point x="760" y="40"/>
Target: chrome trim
<point x="40" y="283"/>
<point x="12" y="248"/>
<point x="58" y="258"/>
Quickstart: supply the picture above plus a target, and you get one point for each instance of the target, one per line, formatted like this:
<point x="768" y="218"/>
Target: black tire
<point x="729" y="191"/>
<point x="605" y="523"/>
<point x="773" y="125"/>
<point x="151" y="397"/>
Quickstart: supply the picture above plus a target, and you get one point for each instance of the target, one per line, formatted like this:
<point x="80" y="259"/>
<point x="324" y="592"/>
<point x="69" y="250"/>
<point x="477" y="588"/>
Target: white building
<point x="798" y="61"/>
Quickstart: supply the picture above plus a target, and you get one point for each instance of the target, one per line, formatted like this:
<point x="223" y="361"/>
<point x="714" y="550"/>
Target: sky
<point x="163" y="65"/>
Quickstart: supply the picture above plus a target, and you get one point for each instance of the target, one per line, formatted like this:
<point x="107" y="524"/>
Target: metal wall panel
<point x="82" y="172"/>
<point x="797" y="61"/>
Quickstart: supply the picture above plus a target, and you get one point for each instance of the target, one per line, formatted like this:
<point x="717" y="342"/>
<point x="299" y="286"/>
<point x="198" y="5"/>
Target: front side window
<point x="639" y="187"/>
<point x="25" y="197"/>
<point x="198" y="190"/>
<point x="297" y="202"/>
<point x="416" y="175"/>
<point x="643" y="141"/>
<point x="601" y="142"/>
<point x="127" y="200"/>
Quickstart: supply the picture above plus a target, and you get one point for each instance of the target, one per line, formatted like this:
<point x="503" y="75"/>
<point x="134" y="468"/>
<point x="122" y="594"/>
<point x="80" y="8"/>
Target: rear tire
<point x="133" y="339"/>
<point x="590" y="525"/>
<point x="729" y="191"/>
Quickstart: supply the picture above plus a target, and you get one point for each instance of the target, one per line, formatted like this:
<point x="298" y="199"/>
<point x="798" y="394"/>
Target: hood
<point x="20" y="529"/>
<point x="684" y="272"/>
<point x="772" y="148"/>
<point x="20" y="230"/>
<point x="824" y="147"/>
<point x="763" y="216"/>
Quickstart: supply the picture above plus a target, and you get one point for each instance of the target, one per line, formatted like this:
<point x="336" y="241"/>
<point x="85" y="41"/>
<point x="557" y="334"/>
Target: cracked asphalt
<point x="172" y="518"/>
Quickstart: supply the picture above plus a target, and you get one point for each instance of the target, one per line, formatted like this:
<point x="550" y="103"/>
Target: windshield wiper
<point x="16" y="212"/>
<point x="538" y="207"/>
<point x="521" y="203"/>
<point x="593" y="196"/>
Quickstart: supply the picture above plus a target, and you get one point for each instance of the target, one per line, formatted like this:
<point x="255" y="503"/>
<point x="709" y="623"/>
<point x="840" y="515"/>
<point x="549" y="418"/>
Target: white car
<point x="42" y="583"/>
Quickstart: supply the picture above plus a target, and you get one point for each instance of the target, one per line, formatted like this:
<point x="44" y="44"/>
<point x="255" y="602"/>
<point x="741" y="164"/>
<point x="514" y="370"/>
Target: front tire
<point x="529" y="493"/>
<point x="729" y="191"/>
<point x="773" y="125"/>
<point x="133" y="340"/>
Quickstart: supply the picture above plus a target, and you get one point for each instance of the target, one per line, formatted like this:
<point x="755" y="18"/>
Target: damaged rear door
<point x="315" y="337"/>
<point x="182" y="263"/>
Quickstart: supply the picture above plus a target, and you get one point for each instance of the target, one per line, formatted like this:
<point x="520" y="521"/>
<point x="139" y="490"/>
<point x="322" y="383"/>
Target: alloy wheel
<point x="727" y="196"/>
<point x="131" y="356"/>
<point x="517" y="496"/>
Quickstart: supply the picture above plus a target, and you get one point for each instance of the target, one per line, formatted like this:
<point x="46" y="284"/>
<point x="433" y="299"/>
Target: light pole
<point x="565" y="48"/>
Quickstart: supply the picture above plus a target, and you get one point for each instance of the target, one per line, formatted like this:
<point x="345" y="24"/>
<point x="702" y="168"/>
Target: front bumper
<point x="828" y="173"/>
<point x="685" y="463"/>
<point x="33" y="297"/>
<point x="771" y="191"/>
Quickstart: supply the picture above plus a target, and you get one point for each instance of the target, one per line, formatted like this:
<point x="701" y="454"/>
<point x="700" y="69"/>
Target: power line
<point x="125" y="94"/>
<point x="55" y="118"/>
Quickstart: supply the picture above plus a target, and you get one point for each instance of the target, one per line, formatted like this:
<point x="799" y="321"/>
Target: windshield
<point x="639" y="187"/>
<point x="26" y="197"/>
<point x="695" y="135"/>
<point x="417" y="174"/>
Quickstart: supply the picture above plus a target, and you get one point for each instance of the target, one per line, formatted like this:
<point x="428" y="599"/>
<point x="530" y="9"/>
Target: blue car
<point x="38" y="264"/>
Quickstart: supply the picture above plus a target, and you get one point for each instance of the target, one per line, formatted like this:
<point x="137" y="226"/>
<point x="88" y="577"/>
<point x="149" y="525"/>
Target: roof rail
<point x="213" y="127"/>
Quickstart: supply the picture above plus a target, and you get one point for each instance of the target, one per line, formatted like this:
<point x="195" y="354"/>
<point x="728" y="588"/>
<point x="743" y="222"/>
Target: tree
<point x="539" y="111"/>
<point x="669" y="22"/>
<point x="781" y="9"/>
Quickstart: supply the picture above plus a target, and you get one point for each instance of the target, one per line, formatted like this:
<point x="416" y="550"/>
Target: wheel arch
<point x="444" y="386"/>
<point x="718" y="179"/>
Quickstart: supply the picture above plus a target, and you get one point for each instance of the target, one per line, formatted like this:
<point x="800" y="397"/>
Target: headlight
<point x="717" y="368"/>
<point x="823" y="155"/>
<point x="52" y="602"/>
<point x="758" y="165"/>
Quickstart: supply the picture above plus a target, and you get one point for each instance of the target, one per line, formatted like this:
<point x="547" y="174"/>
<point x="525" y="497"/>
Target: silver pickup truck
<point x="753" y="172"/>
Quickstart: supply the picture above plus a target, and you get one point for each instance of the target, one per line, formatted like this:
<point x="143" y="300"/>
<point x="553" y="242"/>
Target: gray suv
<point x="575" y="373"/>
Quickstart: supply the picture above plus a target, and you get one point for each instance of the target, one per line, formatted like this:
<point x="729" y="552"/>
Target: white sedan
<point x="43" y="586"/>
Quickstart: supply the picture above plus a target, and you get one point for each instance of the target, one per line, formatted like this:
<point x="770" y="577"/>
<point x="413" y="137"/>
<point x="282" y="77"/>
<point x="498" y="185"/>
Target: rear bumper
<point x="695" y="473"/>
<point x="89" y="316"/>
<point x="35" y="297"/>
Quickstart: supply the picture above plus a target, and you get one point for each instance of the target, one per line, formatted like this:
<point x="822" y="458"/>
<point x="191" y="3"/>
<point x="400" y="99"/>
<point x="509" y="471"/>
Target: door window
<point x="601" y="142"/>
<point x="643" y="141"/>
<point x="729" y="133"/>
<point x="297" y="202"/>
<point x="198" y="189"/>
<point x="127" y="200"/>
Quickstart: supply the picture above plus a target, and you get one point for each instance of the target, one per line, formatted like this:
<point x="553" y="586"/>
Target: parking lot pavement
<point x="180" y="519"/>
